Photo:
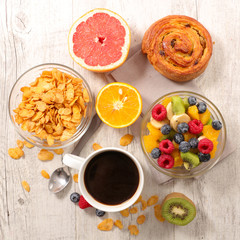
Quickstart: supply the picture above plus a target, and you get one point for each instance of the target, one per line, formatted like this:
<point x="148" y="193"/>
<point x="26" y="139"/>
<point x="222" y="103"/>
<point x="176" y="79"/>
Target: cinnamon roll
<point x="179" y="47"/>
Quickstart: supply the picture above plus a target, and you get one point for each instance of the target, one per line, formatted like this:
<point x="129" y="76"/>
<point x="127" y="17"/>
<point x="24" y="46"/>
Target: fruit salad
<point x="182" y="133"/>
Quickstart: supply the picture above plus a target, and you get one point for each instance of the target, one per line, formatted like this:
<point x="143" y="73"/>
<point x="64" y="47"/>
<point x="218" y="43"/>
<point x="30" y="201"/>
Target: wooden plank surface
<point x="35" y="32"/>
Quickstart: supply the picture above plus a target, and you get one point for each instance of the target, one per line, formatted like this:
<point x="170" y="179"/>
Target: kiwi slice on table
<point x="177" y="105"/>
<point x="190" y="160"/>
<point x="178" y="209"/>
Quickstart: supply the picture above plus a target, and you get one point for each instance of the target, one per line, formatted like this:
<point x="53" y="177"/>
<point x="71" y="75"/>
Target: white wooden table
<point x="35" y="32"/>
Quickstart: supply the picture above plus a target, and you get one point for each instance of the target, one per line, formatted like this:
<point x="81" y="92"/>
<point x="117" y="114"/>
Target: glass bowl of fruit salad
<point x="183" y="134"/>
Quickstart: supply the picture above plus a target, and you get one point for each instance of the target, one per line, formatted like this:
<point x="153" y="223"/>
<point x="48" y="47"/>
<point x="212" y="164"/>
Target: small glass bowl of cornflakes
<point x="51" y="106"/>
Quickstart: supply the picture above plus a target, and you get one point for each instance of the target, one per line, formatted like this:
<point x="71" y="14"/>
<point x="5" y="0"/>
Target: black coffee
<point x="111" y="178"/>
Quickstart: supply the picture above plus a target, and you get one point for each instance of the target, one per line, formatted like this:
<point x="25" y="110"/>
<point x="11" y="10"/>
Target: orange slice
<point x="118" y="104"/>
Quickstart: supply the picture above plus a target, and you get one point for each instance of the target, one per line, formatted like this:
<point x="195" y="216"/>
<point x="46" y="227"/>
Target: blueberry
<point x="182" y="127"/>
<point x="165" y="129"/>
<point x="178" y="137"/>
<point x="100" y="213"/>
<point x="75" y="197"/>
<point x="204" y="157"/>
<point x="216" y="124"/>
<point x="193" y="142"/>
<point x="202" y="107"/>
<point x="184" y="147"/>
<point x="192" y="100"/>
<point x="155" y="153"/>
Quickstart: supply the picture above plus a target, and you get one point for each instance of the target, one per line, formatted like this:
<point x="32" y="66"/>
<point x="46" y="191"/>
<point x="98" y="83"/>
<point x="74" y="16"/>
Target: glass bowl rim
<point x="70" y="142"/>
<point x="165" y="172"/>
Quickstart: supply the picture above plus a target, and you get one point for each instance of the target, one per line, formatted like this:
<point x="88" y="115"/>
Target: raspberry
<point x="195" y="126"/>
<point x="159" y="112"/>
<point x="166" y="161"/>
<point x="205" y="146"/>
<point x="166" y="146"/>
<point x="83" y="203"/>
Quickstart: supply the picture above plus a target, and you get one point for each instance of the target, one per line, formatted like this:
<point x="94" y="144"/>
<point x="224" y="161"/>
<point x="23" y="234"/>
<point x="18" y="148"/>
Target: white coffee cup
<point x="81" y="164"/>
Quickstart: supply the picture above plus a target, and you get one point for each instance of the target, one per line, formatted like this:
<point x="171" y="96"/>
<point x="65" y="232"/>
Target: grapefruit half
<point x="99" y="40"/>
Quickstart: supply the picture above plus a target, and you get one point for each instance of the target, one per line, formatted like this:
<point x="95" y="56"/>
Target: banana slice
<point x="169" y="111"/>
<point x="158" y="124"/>
<point x="176" y="119"/>
<point x="200" y="138"/>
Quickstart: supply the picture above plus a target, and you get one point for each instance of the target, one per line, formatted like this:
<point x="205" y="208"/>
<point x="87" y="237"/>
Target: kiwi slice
<point x="168" y="136"/>
<point x="190" y="160"/>
<point x="209" y="122"/>
<point x="186" y="103"/>
<point x="177" y="105"/>
<point x="178" y="209"/>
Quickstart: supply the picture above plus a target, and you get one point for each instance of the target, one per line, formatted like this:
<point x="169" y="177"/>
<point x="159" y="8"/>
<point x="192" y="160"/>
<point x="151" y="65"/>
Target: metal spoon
<point x="59" y="179"/>
<point x="61" y="176"/>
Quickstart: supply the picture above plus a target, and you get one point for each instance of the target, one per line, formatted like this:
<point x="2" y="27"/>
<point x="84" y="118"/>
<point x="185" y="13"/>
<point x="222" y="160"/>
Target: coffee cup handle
<point x="73" y="161"/>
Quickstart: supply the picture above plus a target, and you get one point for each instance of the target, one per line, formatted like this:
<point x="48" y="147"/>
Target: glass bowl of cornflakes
<point x="51" y="106"/>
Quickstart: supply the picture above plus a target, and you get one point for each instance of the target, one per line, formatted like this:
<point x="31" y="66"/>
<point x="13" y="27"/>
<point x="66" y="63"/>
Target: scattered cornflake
<point x="144" y="205"/>
<point x="45" y="174"/>
<point x="75" y="178"/>
<point x="157" y="213"/>
<point x="133" y="230"/>
<point x="59" y="151"/>
<point x="52" y="106"/>
<point x="28" y="145"/>
<point x="20" y="143"/>
<point x="126" y="140"/>
<point x="96" y="146"/>
<point x="26" y="186"/>
<point x="45" y="155"/>
<point x="133" y="210"/>
<point x="138" y="200"/>
<point x="213" y="42"/>
<point x="15" y="153"/>
<point x="152" y="200"/>
<point x="105" y="225"/>
<point x="119" y="224"/>
<point x="141" y="219"/>
<point x="125" y="212"/>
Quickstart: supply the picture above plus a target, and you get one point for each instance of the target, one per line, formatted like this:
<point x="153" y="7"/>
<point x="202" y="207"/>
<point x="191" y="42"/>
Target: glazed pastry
<point x="179" y="47"/>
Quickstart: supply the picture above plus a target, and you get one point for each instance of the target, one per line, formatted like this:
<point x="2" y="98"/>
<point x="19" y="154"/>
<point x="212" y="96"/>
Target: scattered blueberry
<point x="165" y="129"/>
<point x="155" y="153"/>
<point x="75" y="197"/>
<point x="202" y="107"/>
<point x="182" y="127"/>
<point x="192" y="100"/>
<point x="193" y="142"/>
<point x="204" y="157"/>
<point x="216" y="124"/>
<point x="184" y="147"/>
<point x="100" y="213"/>
<point x="178" y="137"/>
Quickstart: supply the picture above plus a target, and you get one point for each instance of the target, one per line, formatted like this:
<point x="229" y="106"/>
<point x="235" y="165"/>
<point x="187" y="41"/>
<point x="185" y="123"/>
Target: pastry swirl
<point x="179" y="47"/>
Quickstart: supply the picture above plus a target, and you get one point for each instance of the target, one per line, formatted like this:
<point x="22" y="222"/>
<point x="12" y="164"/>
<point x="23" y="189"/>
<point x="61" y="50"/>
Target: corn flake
<point x="152" y="200"/>
<point x="45" y="155"/>
<point x="133" y="210"/>
<point x="45" y="174"/>
<point x="20" y="143"/>
<point x="125" y="212"/>
<point x="144" y="205"/>
<point x="26" y="186"/>
<point x="59" y="151"/>
<point x="141" y="219"/>
<point x="96" y="146"/>
<point x="28" y="145"/>
<point x="126" y="140"/>
<point x="15" y="153"/>
<point x="106" y="225"/>
<point x="119" y="224"/>
<point x="133" y="230"/>
<point x="75" y="178"/>
<point x="157" y="213"/>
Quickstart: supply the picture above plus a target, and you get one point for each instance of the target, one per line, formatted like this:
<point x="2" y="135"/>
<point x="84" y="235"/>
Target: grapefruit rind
<point x="125" y="48"/>
<point x="103" y="118"/>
